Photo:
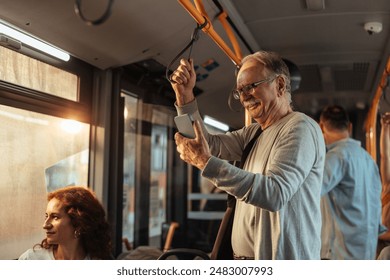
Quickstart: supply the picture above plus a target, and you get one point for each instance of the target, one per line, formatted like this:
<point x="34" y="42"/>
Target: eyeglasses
<point x="245" y="89"/>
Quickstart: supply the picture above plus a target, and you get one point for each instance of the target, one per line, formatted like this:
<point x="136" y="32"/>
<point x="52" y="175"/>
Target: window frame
<point x="33" y="100"/>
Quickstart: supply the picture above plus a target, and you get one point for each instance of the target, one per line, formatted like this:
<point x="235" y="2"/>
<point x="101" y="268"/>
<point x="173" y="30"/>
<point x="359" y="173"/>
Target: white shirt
<point x="39" y="253"/>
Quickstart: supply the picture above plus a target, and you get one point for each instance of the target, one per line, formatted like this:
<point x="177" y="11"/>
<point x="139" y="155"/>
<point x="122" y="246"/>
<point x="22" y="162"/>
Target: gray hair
<point x="275" y="63"/>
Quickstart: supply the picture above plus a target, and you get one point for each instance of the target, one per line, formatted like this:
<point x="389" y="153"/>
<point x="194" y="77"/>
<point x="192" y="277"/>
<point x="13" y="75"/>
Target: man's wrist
<point x="204" y="162"/>
<point x="184" y="99"/>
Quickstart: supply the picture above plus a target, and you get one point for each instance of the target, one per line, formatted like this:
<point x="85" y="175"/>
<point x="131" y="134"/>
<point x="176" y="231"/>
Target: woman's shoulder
<point x="37" y="253"/>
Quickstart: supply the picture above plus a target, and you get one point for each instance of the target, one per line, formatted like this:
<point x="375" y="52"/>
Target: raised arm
<point x="183" y="82"/>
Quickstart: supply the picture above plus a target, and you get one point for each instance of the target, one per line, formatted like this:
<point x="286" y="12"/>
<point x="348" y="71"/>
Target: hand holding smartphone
<point x="184" y="124"/>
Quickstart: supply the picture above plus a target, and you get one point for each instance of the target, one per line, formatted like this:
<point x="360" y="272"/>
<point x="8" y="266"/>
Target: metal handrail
<point x="372" y="113"/>
<point x="199" y="14"/>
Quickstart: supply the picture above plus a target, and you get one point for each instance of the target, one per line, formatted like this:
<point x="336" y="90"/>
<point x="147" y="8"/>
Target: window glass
<point x="39" y="153"/>
<point x="158" y="182"/>
<point x="28" y="72"/>
<point x="153" y="148"/>
<point x="130" y="115"/>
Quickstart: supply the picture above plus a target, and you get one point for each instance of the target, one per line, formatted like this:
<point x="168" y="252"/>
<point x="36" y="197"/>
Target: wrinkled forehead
<point x="249" y="69"/>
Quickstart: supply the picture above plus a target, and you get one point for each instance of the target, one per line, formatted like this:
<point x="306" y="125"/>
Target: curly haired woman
<point x="75" y="226"/>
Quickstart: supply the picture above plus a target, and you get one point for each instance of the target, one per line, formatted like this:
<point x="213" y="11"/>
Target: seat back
<point x="184" y="254"/>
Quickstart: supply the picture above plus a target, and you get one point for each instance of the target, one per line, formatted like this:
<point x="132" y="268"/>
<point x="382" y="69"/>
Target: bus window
<point x="158" y="181"/>
<point x="144" y="191"/>
<point x="28" y="72"/>
<point x="129" y="153"/>
<point x="40" y="153"/>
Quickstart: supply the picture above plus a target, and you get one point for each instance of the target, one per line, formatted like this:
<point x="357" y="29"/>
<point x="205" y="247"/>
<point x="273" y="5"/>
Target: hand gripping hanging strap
<point x="194" y="37"/>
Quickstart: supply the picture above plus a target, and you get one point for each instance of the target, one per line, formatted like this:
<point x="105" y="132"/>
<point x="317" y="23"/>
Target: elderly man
<point x="277" y="213"/>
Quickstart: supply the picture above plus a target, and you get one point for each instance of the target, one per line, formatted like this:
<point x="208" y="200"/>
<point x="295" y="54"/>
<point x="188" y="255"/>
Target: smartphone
<point x="184" y="125"/>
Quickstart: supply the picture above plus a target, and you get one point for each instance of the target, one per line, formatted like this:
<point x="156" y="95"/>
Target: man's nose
<point x="245" y="96"/>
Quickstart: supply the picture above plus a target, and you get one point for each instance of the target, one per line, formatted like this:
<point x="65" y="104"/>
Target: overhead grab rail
<point x="198" y="12"/>
<point x="373" y="112"/>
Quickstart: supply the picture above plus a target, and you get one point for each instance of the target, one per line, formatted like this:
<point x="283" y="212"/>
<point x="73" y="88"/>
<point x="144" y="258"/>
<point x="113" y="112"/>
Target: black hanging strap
<point x="231" y="199"/>
<point x="249" y="146"/>
<point x="222" y="249"/>
<point x="194" y="37"/>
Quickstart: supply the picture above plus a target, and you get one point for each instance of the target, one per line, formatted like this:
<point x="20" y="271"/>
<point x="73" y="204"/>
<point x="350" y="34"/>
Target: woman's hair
<point x="87" y="216"/>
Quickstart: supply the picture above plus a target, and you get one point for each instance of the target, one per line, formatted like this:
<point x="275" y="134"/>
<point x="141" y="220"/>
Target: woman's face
<point x="58" y="226"/>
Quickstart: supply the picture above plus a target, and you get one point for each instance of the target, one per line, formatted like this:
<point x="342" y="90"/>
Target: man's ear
<point x="281" y="83"/>
<point x="321" y="126"/>
<point x="350" y="129"/>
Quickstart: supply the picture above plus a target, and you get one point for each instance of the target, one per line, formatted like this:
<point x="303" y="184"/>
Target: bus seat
<point x="184" y="254"/>
<point x="150" y="252"/>
<point x="168" y="235"/>
<point x="126" y="243"/>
